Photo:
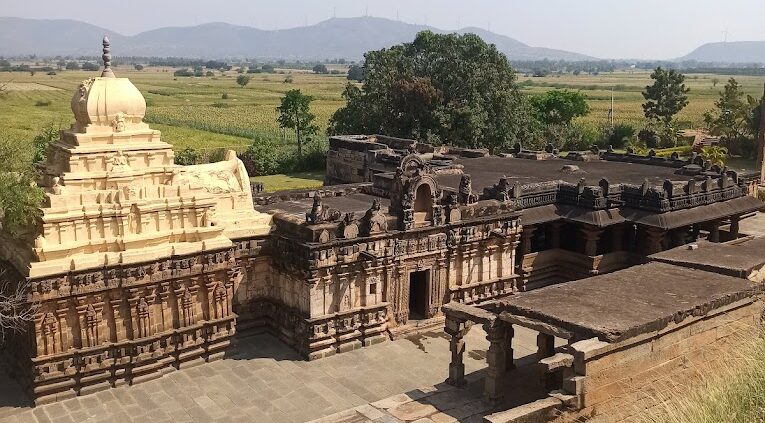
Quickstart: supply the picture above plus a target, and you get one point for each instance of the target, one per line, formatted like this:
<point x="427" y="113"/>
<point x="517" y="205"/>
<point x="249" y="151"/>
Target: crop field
<point x="192" y="112"/>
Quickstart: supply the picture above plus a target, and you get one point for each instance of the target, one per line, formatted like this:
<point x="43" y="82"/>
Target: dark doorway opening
<point x="418" y="294"/>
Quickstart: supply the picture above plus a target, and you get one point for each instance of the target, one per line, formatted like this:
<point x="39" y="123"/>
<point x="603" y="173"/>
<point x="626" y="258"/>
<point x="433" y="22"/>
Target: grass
<point x="731" y="393"/>
<point x="301" y="180"/>
<point x="191" y="112"/>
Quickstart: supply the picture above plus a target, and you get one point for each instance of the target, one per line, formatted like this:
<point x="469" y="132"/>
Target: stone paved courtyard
<point x="267" y="382"/>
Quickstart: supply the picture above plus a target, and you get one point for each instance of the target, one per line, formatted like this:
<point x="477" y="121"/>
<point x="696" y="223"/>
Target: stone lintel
<point x="465" y="312"/>
<point x="536" y="325"/>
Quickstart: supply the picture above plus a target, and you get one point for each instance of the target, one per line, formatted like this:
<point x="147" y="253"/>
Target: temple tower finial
<point x="107" y="56"/>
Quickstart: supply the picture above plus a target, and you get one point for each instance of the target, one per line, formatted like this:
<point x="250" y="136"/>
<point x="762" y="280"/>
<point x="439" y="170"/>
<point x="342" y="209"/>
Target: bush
<point x="221" y="105"/>
<point x="138" y="67"/>
<point x="42" y="140"/>
<point x="288" y="79"/>
<point x="72" y="66"/>
<point x="320" y="68"/>
<point x="649" y="138"/>
<point x="618" y="136"/>
<point x="186" y="157"/>
<point x="51" y="73"/>
<point x="42" y="103"/>
<point x="183" y="72"/>
<point x="90" y="66"/>
<point x="217" y="155"/>
<point x="224" y="96"/>
<point x="262" y="157"/>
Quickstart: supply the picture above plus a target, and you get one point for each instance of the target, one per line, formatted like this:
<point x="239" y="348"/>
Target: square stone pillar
<point x="527" y="236"/>
<point x="545" y="346"/>
<point x="714" y="231"/>
<point x="617" y="238"/>
<point x="456" y="329"/>
<point x="497" y="360"/>
<point x="734" y="226"/>
<point x="591" y="236"/>
<point x="555" y="230"/>
<point x="653" y="240"/>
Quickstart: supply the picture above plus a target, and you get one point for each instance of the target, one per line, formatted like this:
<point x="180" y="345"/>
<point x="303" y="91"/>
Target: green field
<point x="191" y="112"/>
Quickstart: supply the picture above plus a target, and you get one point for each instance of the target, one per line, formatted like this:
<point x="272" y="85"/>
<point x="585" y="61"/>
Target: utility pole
<point x="761" y="140"/>
<point x="611" y="110"/>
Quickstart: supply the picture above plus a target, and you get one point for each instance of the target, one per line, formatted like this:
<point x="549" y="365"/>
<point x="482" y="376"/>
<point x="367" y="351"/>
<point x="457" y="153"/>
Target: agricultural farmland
<point x="215" y="112"/>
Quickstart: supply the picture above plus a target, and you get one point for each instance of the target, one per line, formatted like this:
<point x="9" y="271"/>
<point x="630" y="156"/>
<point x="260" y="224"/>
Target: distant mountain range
<point x="346" y="38"/>
<point x="729" y="52"/>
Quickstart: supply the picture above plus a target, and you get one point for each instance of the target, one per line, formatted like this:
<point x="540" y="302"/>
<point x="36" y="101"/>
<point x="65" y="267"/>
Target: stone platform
<point x="266" y="381"/>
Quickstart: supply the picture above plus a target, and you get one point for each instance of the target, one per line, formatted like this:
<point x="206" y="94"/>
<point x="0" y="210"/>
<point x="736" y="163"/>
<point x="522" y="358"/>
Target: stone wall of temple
<point x="352" y="293"/>
<point x="628" y="379"/>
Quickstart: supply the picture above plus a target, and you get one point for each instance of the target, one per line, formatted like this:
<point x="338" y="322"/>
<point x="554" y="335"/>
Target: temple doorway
<point x="418" y="294"/>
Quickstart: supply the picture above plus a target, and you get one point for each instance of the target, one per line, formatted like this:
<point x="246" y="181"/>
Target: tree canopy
<point x="666" y="97"/>
<point x="295" y="114"/>
<point x="734" y="115"/>
<point x="20" y="198"/>
<point x="242" y="80"/>
<point x="560" y="107"/>
<point x="355" y="73"/>
<point x="320" y="68"/>
<point x="440" y="88"/>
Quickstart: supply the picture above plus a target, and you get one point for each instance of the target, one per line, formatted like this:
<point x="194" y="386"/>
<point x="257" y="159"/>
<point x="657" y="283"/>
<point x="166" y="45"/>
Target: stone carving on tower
<point x="115" y="196"/>
<point x="415" y="197"/>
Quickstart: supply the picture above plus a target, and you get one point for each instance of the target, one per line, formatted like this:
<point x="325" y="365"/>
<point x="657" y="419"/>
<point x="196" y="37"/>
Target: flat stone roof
<point x="630" y="302"/>
<point x="356" y="203"/>
<point x="735" y="259"/>
<point x="486" y="171"/>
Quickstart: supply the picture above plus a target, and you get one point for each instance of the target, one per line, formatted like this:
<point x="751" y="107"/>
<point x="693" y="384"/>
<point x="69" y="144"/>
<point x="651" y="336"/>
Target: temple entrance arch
<point x="423" y="204"/>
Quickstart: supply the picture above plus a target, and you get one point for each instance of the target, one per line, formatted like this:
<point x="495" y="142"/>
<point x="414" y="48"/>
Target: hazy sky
<point x="649" y="29"/>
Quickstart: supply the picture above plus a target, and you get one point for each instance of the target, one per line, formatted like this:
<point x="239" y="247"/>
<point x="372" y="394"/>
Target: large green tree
<point x="20" y="198"/>
<point x="733" y="114"/>
<point x="295" y="113"/>
<point x="440" y="88"/>
<point x="560" y="107"/>
<point x="666" y="97"/>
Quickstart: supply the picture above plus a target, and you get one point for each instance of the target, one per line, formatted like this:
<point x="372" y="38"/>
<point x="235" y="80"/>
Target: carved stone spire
<point x="107" y="56"/>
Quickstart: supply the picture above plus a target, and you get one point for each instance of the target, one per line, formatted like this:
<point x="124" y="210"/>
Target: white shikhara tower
<point x="115" y="196"/>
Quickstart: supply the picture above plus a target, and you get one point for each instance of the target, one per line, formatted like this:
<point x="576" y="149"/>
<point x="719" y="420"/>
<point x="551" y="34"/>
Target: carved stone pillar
<point x="527" y="236"/>
<point x="496" y="360"/>
<point x="734" y="225"/>
<point x="555" y="230"/>
<point x="456" y="329"/>
<point x="545" y="346"/>
<point x="591" y="236"/>
<point x="617" y="238"/>
<point x="654" y="238"/>
<point x="509" y="334"/>
<point x="714" y="231"/>
<point x="678" y="237"/>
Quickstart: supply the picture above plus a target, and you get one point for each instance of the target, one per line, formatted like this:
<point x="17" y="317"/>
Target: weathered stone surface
<point x="412" y="411"/>
<point x="540" y="411"/>
<point x="629" y="302"/>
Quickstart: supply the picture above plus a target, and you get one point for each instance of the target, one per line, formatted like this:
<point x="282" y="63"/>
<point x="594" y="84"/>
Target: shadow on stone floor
<point x="12" y="397"/>
<point x="443" y="402"/>
<point x="260" y="344"/>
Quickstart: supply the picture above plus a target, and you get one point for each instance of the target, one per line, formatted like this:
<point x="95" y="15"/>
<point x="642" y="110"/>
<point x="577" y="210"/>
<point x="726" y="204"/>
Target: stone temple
<point x="139" y="266"/>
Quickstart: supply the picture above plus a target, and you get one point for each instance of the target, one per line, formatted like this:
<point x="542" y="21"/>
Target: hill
<point x="338" y="37"/>
<point x="729" y="52"/>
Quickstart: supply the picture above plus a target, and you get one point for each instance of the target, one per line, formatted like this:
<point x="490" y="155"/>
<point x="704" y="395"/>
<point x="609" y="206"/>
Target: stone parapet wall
<point x="623" y="381"/>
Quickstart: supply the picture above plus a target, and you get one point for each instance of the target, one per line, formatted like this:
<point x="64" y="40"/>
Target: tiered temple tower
<point x="132" y="267"/>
